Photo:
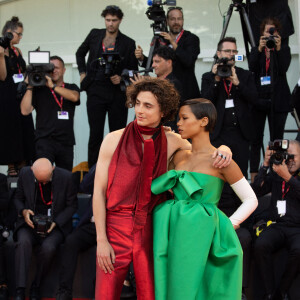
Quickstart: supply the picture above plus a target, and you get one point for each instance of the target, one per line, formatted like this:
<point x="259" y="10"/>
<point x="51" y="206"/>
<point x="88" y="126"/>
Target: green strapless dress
<point x="197" y="254"/>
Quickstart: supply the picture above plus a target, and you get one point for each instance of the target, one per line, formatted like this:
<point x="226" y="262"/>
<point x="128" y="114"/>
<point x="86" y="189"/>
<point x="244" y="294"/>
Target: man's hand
<point x="233" y="78"/>
<point x="53" y="224"/>
<point x="82" y="76"/>
<point x="137" y="78"/>
<point x="277" y="42"/>
<point x="116" y="79"/>
<point x="262" y="43"/>
<point x="282" y="171"/>
<point x="169" y="38"/>
<point x="105" y="256"/>
<point x="2" y="50"/>
<point x="214" y="71"/>
<point x="268" y="154"/>
<point x="139" y="53"/>
<point x="223" y="156"/>
<point x="49" y="82"/>
<point x="26" y="214"/>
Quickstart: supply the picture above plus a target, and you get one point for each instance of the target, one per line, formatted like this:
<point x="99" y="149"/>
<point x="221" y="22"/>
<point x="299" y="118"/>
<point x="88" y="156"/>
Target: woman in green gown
<point x="197" y="254"/>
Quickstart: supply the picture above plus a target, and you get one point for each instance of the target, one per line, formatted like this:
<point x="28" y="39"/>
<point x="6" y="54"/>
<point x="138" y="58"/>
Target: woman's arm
<point x="243" y="190"/>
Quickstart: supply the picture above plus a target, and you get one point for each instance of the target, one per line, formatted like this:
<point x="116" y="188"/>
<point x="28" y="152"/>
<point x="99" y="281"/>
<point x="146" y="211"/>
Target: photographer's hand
<point x="49" y="82"/>
<point x="262" y="43"/>
<point x="2" y="50"/>
<point x="116" y="79"/>
<point x="26" y="214"/>
<point x="53" y="224"/>
<point x="137" y="78"/>
<point x="82" y="76"/>
<point x="268" y="154"/>
<point x="139" y="53"/>
<point x="277" y="42"/>
<point x="282" y="171"/>
<point x="214" y="71"/>
<point x="233" y="78"/>
<point x="168" y="37"/>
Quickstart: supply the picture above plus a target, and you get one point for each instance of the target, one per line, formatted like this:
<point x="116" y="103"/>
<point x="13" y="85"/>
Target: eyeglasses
<point x="19" y="34"/>
<point x="230" y="51"/>
<point x="113" y="7"/>
<point x="172" y="8"/>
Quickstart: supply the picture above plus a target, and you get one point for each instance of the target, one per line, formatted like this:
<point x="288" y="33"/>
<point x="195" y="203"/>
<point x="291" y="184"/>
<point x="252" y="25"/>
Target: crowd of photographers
<point x="45" y="198"/>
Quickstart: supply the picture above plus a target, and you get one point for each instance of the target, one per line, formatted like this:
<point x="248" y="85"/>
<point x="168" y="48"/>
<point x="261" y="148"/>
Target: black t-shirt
<point x="47" y="122"/>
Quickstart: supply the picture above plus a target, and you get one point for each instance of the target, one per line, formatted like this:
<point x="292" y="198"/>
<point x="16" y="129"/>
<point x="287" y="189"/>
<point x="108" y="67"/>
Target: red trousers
<point x="129" y="246"/>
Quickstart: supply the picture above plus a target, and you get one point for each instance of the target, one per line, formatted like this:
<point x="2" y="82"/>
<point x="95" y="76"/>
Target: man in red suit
<point x="128" y="160"/>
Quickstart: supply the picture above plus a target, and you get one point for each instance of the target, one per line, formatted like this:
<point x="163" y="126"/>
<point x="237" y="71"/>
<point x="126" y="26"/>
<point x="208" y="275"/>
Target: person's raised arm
<point x="105" y="253"/>
<point x="26" y="103"/>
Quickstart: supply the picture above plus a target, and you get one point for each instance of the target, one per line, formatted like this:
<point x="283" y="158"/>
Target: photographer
<point x="269" y="64"/>
<point x="55" y="108"/>
<point x="103" y="93"/>
<point x="232" y="97"/>
<point x="187" y="49"/>
<point x="45" y="201"/>
<point x="17" y="131"/>
<point x="283" y="182"/>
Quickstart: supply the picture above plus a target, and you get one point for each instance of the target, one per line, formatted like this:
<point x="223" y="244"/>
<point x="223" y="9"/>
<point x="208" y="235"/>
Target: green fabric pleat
<point x="197" y="254"/>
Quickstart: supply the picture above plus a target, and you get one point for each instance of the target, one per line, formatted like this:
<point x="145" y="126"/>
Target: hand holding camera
<point x="27" y="213"/>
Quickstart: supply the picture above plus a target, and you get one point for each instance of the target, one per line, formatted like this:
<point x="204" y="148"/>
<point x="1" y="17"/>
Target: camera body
<point x="280" y="151"/>
<point x="41" y="224"/>
<point x="271" y="39"/>
<point x="39" y="67"/>
<point x="5" y="40"/>
<point x="110" y="61"/>
<point x="224" y="67"/>
<point x="157" y="14"/>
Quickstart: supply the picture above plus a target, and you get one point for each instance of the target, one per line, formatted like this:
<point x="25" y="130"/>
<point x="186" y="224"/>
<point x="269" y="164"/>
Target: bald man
<point x="43" y="190"/>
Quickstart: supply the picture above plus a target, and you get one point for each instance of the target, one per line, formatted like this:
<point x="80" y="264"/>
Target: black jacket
<point x="64" y="197"/>
<point x="281" y="92"/>
<point x="125" y="46"/>
<point x="265" y="183"/>
<point x="244" y="95"/>
<point x="187" y="53"/>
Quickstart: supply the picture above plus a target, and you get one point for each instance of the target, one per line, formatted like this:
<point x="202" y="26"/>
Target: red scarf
<point x="131" y="171"/>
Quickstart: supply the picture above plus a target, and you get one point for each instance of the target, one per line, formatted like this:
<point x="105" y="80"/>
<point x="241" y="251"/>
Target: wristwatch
<point x="54" y="86"/>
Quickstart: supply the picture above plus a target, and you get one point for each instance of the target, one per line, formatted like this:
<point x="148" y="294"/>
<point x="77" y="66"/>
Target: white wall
<point x="61" y="25"/>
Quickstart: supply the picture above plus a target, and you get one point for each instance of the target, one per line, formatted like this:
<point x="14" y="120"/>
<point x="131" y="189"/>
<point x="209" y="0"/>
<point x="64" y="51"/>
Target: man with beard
<point x="186" y="47"/>
<point x="103" y="90"/>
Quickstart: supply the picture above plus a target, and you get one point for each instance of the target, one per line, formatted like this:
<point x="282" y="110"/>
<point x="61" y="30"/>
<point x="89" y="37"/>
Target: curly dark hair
<point x="112" y="10"/>
<point x="270" y="21"/>
<point x="12" y="24"/>
<point x="164" y="92"/>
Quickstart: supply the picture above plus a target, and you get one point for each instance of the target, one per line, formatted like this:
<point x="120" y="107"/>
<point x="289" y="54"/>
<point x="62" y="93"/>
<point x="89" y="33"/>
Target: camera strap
<point x="179" y="36"/>
<point x="17" y="55"/>
<point x="227" y="89"/>
<point x="283" y="188"/>
<point x="42" y="196"/>
<point x="60" y="103"/>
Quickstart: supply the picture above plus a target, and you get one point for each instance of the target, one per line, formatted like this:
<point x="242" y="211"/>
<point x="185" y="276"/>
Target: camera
<point x="39" y="67"/>
<point x="5" y="40"/>
<point x="127" y="74"/>
<point x="271" y="39"/>
<point x="224" y="67"/>
<point x="110" y="61"/>
<point x="280" y="151"/>
<point x="41" y="224"/>
<point x="157" y="14"/>
<point x="4" y="231"/>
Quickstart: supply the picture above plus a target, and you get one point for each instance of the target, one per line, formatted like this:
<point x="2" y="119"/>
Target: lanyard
<point x="60" y="104"/>
<point x="228" y="90"/>
<point x="42" y="196"/>
<point x="179" y="36"/>
<point x="17" y="54"/>
<point x="112" y="48"/>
